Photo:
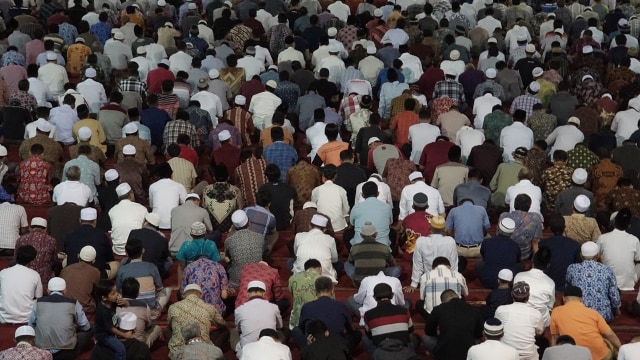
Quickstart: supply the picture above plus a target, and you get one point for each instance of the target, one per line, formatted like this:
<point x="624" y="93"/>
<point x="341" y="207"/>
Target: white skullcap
<point x="371" y="50"/>
<point x="372" y="140"/>
<point x="505" y="274"/>
<point x="579" y="176"/>
<point x="118" y="35"/>
<point x="534" y="86"/>
<point x="51" y="56"/>
<point x="454" y="55"/>
<point x="507" y="225"/>
<point x="44" y="126"/>
<point x="153" y="219"/>
<point x="24" y="330"/>
<point x="589" y="249"/>
<point x="581" y="203"/>
<point x="309" y="204"/>
<point x="530" y="48"/>
<point x="635" y="104"/>
<point x="123" y="189"/>
<point x="537" y="71"/>
<point x="239" y="218"/>
<point x="141" y="50"/>
<point x="377" y="13"/>
<point x="332" y="32"/>
<point x="573" y="120"/>
<point x="130" y="128"/>
<point x="88" y="253"/>
<point x="240" y="100"/>
<point x="257" y="284"/>
<point x="587" y="49"/>
<point x="490" y="73"/>
<point x="415" y="175"/>
<point x="90" y="72"/>
<point x="111" y="174"/>
<point x="84" y="133"/>
<point x="57" y="284"/>
<point x="190" y="287"/>
<point x="127" y="321"/>
<point x="88" y="214"/>
<point x="224" y="135"/>
<point x="192" y="6"/>
<point x="214" y="74"/>
<point x="319" y="220"/>
<point x="129" y="149"/>
<point x="3" y="151"/>
<point x="38" y="221"/>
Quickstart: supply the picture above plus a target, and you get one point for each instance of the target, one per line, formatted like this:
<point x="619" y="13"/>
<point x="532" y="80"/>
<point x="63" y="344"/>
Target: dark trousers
<point x="349" y="233"/>
<point x="352" y="338"/>
<point x="420" y="309"/>
<point x="83" y="338"/>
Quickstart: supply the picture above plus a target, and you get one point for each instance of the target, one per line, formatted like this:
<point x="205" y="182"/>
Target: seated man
<point x="194" y="345"/>
<point x="566" y="348"/>
<point x="270" y="277"/>
<point x="415" y="225"/>
<point x="72" y="190"/>
<point x="20" y="287"/>
<point x="334" y="313"/>
<point x="492" y="347"/>
<point x="255" y="315"/>
<point x="433" y="283"/>
<point x="468" y="224"/>
<point x="370" y="257"/>
<point x="386" y="321"/>
<point x="364" y="300"/>
<point x="586" y="326"/>
<point x="578" y="226"/>
<point x="315" y="244"/>
<point x="375" y="211"/>
<point x="25" y="338"/>
<point x="268" y="343"/>
<point x="499" y="252"/>
<point x="321" y="343"/>
<point x="144" y="330"/>
<point x="529" y="225"/>
<point x="82" y="277"/>
<point x="152" y="291"/>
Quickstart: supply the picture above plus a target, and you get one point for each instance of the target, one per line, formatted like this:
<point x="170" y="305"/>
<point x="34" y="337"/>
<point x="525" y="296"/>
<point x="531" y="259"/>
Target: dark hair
<point x="164" y="171"/>
<point x="331" y="131"/>
<point x="173" y="150"/>
<point x="475" y="173"/>
<point x="167" y="85"/>
<point x="557" y="224"/>
<point x="623" y="219"/>
<point x="312" y="264"/>
<point x="316" y="328"/>
<point x="565" y="339"/>
<point x="522" y="202"/>
<point x="560" y="155"/>
<point x="542" y="258"/>
<point x="103" y="288"/>
<point x="440" y="260"/>
<point x="323" y="284"/>
<point x="272" y="172"/>
<point x="330" y="171"/>
<point x="369" y="189"/>
<point x="115" y="97"/>
<point x="220" y="173"/>
<point x="25" y="254"/>
<point x="130" y="288"/>
<point x="346" y="154"/>
<point x="36" y="149"/>
<point x="455" y="152"/>
<point x="83" y="111"/>
<point x="183" y="139"/>
<point x="263" y="197"/>
<point x="133" y="248"/>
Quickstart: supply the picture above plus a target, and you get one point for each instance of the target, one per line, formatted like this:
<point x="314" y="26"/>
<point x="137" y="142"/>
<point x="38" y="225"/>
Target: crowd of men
<point x="186" y="138"/>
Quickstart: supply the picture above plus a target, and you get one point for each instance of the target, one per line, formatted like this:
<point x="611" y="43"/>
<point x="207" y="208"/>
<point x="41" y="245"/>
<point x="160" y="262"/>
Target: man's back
<point x="459" y="326"/>
<point x="522" y="323"/>
<point x="20" y="286"/>
<point x="494" y="349"/>
<point x="567" y="351"/>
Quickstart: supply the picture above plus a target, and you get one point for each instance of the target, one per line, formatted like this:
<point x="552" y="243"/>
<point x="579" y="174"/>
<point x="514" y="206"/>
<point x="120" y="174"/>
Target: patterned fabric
<point x="588" y="91"/>
<point x="239" y="34"/>
<point x="135" y="174"/>
<point x="191" y="308"/>
<point x="581" y="157"/>
<point x="598" y="284"/>
<point x="434" y="282"/>
<point x="347" y="35"/>
<point x="542" y="124"/>
<point x="13" y="57"/>
<point x="221" y="200"/>
<point x="25" y="351"/>
<point x="242" y="120"/>
<point x="76" y="54"/>
<point x="442" y="105"/>
<point x="47" y="252"/>
<point x="537" y="163"/>
<point x="624" y="198"/>
<point x="276" y="36"/>
<point x="528" y="227"/>
<point x="134" y="85"/>
<point x="25" y="99"/>
<point x="102" y="31"/>
<point x="289" y="93"/>
<point x="303" y="177"/>
<point x="396" y="172"/>
<point x="282" y="155"/>
<point x="242" y="247"/>
<point x="581" y="228"/>
<point x="169" y="103"/>
<point x="524" y="102"/>
<point x="68" y="32"/>
<point x="211" y="277"/>
<point x="496" y="89"/>
<point x="234" y="77"/>
<point x="201" y="119"/>
<point x="450" y="88"/>
<point x="34" y="176"/>
<point x="260" y="271"/>
<point x="554" y="180"/>
<point x="603" y="177"/>
<point x="397" y="105"/>
<point x="302" y="289"/>
<point x="177" y="127"/>
<point x="249" y="177"/>
<point x="494" y="123"/>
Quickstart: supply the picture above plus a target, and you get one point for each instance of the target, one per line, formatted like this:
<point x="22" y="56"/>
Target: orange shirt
<point x="265" y="137"/>
<point x="401" y="123"/>
<point x="329" y="153"/>
<point x="586" y="326"/>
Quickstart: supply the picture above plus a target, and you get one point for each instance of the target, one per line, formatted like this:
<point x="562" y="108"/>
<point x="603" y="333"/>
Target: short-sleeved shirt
<point x="211" y="277"/>
<point x="104" y="320"/>
<point x="584" y="325"/>
<point x="329" y="153"/>
<point x="147" y="275"/>
<point x="190" y="251"/>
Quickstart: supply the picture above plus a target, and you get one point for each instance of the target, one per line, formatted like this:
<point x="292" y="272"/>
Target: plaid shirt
<point x="177" y="127"/>
<point x="134" y="85"/>
<point x="524" y="102"/>
<point x="450" y="88"/>
<point x="282" y="155"/>
<point x="349" y="105"/>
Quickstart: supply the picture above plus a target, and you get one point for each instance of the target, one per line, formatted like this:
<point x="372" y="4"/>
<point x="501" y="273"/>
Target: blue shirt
<point x="376" y="211"/>
<point x="598" y="284"/>
<point x="498" y="253"/>
<point x="564" y="252"/>
<point x="468" y="221"/>
<point x="282" y="155"/>
<point x="481" y="195"/>
<point x="102" y="31"/>
<point x="333" y="313"/>
<point x="155" y="119"/>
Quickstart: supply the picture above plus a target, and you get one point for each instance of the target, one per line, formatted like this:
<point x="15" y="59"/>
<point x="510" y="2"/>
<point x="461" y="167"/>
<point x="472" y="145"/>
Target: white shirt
<point x="315" y="245"/>
<point x="365" y="292"/>
<point x="360" y="87"/>
<point x="396" y="36"/>
<point x="316" y="138"/>
<point x="263" y="55"/>
<point x="340" y="10"/>
<point x="180" y="61"/>
<point x="482" y="107"/>
<point x="334" y="64"/>
<point x="155" y="53"/>
<point x="521" y="324"/>
<point x="40" y="91"/>
<point x="164" y="195"/>
<point x="206" y="34"/>
<point x="144" y="66"/>
<point x="542" y="292"/>
<point x="320" y="53"/>
<point x="262" y="106"/>
<point x="370" y="67"/>
<point x="457" y="67"/>
<point x="125" y="216"/>
<point x="619" y="251"/>
<point x="64" y="117"/>
<point x="253" y="316"/>
<point x="30" y="129"/>
<point x="427" y="249"/>
<point x="468" y="137"/>
<point x="489" y="23"/>
<point x="635" y="65"/>
<point x="331" y="200"/>
<point x="414" y="64"/>
<point x="624" y="124"/>
<point x="94" y="93"/>
<point x="79" y="98"/>
<point x="92" y="18"/>
<point x="492" y="350"/>
<point x="629" y="351"/>
<point x="119" y="53"/>
<point x="565" y="138"/>
<point x="265" y="348"/>
<point x="513" y="136"/>
<point x="72" y="191"/>
<point x="510" y="39"/>
<point x="384" y="191"/>
<point x="524" y="187"/>
<point x="485" y="55"/>
<point x="631" y="42"/>
<point x="291" y="54"/>
<point x="21" y="287"/>
<point x="343" y="52"/>
<point x="54" y="76"/>
<point x="421" y="135"/>
<point x="436" y="206"/>
<point x="211" y="103"/>
<point x="251" y="66"/>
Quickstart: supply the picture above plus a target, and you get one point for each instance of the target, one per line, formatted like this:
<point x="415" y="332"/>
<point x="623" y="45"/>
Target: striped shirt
<point x="442" y="278"/>
<point x="388" y="321"/>
<point x="369" y="258"/>
<point x="12" y="218"/>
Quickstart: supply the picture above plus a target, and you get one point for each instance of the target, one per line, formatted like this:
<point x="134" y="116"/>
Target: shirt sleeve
<point x="81" y="319"/>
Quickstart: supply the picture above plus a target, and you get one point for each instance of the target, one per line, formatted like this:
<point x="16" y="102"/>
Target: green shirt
<point x="303" y="290"/>
<point x="494" y="123"/>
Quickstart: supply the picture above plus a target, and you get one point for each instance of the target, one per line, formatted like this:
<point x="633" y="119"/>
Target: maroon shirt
<point x="250" y="88"/>
<point x="429" y="79"/>
<point x="187" y="153"/>
<point x="228" y="155"/>
<point x="156" y="77"/>
<point x="434" y="155"/>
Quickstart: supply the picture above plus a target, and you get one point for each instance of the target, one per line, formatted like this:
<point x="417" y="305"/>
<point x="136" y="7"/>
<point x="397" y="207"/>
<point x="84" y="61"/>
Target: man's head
<point x="506" y="227"/>
<point x="130" y="288"/>
<point x="448" y="295"/>
<point x="25" y="254"/>
<point x="25" y="333"/>
<point x="520" y="292"/>
<point x="493" y="329"/>
<point x="73" y="173"/>
<point x="324" y="286"/>
<point x="256" y="288"/>
<point x="581" y="204"/>
<point x="572" y="293"/>
<point x="622" y="220"/>
<point x="369" y="189"/>
<point x="382" y="292"/>
<point x="134" y="248"/>
<point x="557" y="224"/>
<point x="313" y="264"/>
<point x="542" y="258"/>
<point x="522" y="202"/>
<point x="272" y="171"/>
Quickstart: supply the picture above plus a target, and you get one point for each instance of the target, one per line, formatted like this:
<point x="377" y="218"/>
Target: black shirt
<point x="564" y="252"/>
<point x="87" y="235"/>
<point x="281" y="197"/>
<point x="108" y="198"/>
<point x="457" y="326"/>
<point x="349" y="176"/>
<point x="498" y="253"/>
<point x="497" y="297"/>
<point x="156" y="247"/>
<point x="326" y="89"/>
<point x="136" y="350"/>
<point x="525" y="66"/>
<point x="62" y="220"/>
<point x="104" y="320"/>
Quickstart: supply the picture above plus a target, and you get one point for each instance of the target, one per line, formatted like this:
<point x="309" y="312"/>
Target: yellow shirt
<point x="98" y="137"/>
